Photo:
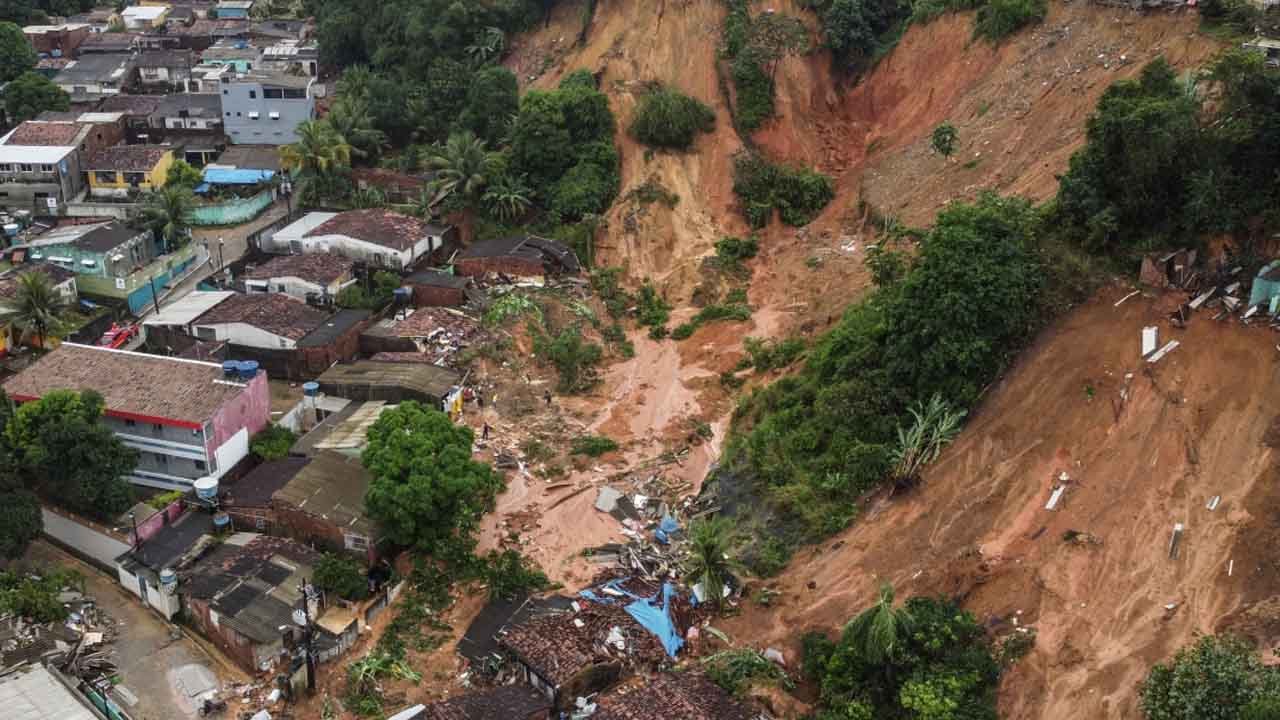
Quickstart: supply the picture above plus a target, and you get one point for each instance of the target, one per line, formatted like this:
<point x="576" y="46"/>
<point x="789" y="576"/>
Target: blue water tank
<point x="310" y="389"/>
<point x="231" y="368"/>
<point x="248" y="369"/>
<point x="221" y="521"/>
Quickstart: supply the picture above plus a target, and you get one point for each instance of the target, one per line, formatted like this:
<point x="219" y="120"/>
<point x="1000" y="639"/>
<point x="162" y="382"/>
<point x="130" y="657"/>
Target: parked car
<point x="118" y="336"/>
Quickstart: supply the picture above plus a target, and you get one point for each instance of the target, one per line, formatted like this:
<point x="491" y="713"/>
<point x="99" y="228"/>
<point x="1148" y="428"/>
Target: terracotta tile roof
<point x="128" y="158"/>
<point x="128" y="382"/>
<point x="37" y="132"/>
<point x="516" y="702"/>
<point x="377" y="226"/>
<point x="426" y="321"/>
<point x="557" y="649"/>
<point x="275" y="313"/>
<point x="319" y="268"/>
<point x="684" y="695"/>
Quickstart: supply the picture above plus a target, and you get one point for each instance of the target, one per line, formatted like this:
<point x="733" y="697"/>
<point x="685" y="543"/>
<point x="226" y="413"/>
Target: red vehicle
<point x="118" y="336"/>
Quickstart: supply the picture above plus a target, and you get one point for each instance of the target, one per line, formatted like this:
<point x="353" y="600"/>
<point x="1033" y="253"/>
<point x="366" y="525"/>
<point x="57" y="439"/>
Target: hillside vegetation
<point x="1167" y="161"/>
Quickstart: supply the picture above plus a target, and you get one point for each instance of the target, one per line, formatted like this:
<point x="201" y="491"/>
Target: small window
<point x="199" y="464"/>
<point x="272" y="93"/>
<point x="237" y="113"/>
<point x="157" y="427"/>
<point x="281" y="288"/>
<point x="6" y="167"/>
<point x="226" y="92"/>
<point x="283" y="343"/>
<point x="253" y="94"/>
<point x="162" y="459"/>
<point x="228" y="113"/>
<point x="253" y="115"/>
<point x="27" y="168"/>
<point x="291" y="94"/>
<point x="260" y="523"/>
<point x="130" y="423"/>
<point x="46" y="168"/>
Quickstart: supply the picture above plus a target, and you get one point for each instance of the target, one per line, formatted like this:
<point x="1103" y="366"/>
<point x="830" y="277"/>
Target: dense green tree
<point x="342" y="576"/>
<point x="708" y="561"/>
<point x="34" y="595"/>
<point x="668" y="118"/>
<point x="508" y="197"/>
<point x="943" y="139"/>
<point x="350" y="118"/>
<point x="31" y="94"/>
<point x="574" y="357"/>
<point x="542" y="147"/>
<point x="1129" y="181"/>
<point x="36" y="307"/>
<point x="427" y="492"/>
<point x="168" y="211"/>
<point x="1214" y="679"/>
<point x="20" y="521"/>
<point x="182" y="173"/>
<point x="61" y="447"/>
<point x="16" y="55"/>
<point x="777" y="35"/>
<point x="926" y="659"/>
<point x="493" y="101"/>
<point x="272" y="442"/>
<point x="319" y="159"/>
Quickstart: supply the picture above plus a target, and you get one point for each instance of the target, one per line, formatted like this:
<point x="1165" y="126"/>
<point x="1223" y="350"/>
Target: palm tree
<point x="35" y="306"/>
<point x="508" y="197"/>
<point x="708" y="563"/>
<point x="167" y="211"/>
<point x="462" y="170"/>
<point x="316" y="158"/>
<point x="350" y="118"/>
<point x="879" y="633"/>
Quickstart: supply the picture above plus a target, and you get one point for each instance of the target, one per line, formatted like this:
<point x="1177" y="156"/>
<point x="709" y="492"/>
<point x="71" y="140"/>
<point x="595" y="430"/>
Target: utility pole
<point x="155" y="298"/>
<point x="305" y="590"/>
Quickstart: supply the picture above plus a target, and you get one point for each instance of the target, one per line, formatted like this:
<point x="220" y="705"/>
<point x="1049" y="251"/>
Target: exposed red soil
<point x="1192" y="428"/>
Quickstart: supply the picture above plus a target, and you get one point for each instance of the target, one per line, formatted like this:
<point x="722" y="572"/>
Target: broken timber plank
<point x="1174" y="540"/>
<point x="1055" y="497"/>
<point x="1202" y="298"/>
<point x="1168" y="348"/>
<point x="1126" y="297"/>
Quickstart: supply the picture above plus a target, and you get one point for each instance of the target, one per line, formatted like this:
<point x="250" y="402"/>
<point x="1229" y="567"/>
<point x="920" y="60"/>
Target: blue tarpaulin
<point x="666" y="528"/>
<point x="236" y="176"/>
<point x="652" y="617"/>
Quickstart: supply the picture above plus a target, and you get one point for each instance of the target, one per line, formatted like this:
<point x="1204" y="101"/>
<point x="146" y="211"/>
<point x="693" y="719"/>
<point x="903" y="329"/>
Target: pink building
<point x="188" y="419"/>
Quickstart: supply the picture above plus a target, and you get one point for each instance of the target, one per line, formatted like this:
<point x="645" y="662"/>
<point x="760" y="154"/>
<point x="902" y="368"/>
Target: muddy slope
<point x="1192" y="428"/>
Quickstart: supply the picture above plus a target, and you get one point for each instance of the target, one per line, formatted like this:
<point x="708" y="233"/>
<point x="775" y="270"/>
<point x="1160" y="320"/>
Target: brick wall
<point x="506" y="265"/>
<point x="433" y="296"/>
<point x="236" y="646"/>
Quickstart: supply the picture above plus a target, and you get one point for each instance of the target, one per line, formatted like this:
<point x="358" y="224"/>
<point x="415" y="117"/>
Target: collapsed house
<point x="684" y="695"/>
<point x="521" y="256"/>
<point x="623" y="625"/>
<point x="1167" y="269"/>
<point x="437" y="334"/>
<point x="509" y="702"/>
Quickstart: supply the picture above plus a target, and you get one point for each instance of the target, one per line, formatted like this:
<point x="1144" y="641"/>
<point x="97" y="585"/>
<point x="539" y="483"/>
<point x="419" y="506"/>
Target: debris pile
<point x="438" y="333"/>
<point x="80" y="646"/>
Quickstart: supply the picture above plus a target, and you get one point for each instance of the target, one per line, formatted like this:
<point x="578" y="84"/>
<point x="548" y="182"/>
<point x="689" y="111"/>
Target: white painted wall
<point x="231" y="452"/>
<point x="243" y="334"/>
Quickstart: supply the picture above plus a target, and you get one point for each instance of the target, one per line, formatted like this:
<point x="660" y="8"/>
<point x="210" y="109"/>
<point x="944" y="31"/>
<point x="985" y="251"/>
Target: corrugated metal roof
<point x="35" y="694"/>
<point x="185" y="310"/>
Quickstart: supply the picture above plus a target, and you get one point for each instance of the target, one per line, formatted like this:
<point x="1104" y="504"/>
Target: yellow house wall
<point x="156" y="178"/>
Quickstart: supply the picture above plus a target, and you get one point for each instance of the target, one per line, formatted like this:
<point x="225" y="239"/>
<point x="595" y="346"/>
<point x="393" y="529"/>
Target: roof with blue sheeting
<point x="236" y="176"/>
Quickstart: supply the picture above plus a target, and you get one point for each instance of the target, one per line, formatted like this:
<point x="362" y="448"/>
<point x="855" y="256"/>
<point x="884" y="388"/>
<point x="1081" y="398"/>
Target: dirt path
<point x="1191" y="429"/>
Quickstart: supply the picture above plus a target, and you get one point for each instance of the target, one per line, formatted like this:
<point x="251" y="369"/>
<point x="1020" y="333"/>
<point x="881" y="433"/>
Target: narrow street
<point x="160" y="669"/>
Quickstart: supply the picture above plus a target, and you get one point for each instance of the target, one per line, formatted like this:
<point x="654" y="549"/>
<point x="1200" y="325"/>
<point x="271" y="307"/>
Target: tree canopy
<point x="1214" y="679"/>
<point x="427" y="492"/>
<point x="31" y="94"/>
<point x="16" y="55"/>
<point x="62" y="450"/>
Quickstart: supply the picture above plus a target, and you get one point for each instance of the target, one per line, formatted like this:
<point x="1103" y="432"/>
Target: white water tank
<point x="206" y="488"/>
<point x="168" y="580"/>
